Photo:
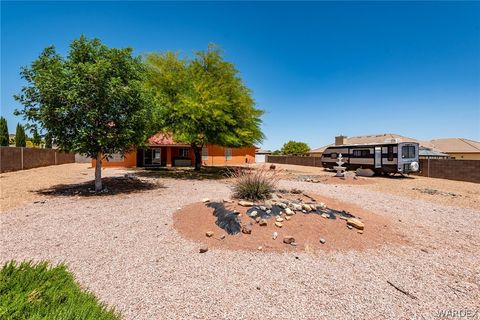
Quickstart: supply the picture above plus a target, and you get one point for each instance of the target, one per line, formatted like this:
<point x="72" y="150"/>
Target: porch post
<point x="169" y="156"/>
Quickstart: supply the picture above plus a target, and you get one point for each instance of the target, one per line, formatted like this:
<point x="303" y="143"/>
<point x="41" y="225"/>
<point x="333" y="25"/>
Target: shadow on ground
<point x="112" y="186"/>
<point x="206" y="173"/>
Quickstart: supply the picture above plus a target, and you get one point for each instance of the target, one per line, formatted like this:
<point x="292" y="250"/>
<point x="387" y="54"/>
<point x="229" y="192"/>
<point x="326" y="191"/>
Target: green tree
<point x="295" y="148"/>
<point x="48" y="140"/>
<point x="203" y="101"/>
<point x="276" y="152"/>
<point x="20" y="137"/>
<point x="92" y="101"/>
<point x="4" y="137"/>
<point x="36" y="138"/>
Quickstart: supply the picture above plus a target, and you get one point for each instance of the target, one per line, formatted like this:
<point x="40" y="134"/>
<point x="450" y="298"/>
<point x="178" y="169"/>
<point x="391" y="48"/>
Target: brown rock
<point x="263" y="222"/>
<point x="247" y="228"/>
<point x="288" y="239"/>
<point x="203" y="249"/>
<point x="245" y="203"/>
<point x="356" y="223"/>
<point x="279" y="219"/>
<point x="209" y="234"/>
<point x="257" y="219"/>
<point x="322" y="241"/>
<point x="278" y="224"/>
<point x="360" y="231"/>
<point x="287" y="218"/>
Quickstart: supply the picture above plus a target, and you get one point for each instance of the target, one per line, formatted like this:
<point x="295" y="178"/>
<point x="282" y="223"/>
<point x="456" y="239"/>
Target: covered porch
<point x="165" y="156"/>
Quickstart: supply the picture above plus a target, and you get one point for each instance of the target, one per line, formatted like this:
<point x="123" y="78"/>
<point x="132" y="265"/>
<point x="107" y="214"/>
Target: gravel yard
<point x="125" y="249"/>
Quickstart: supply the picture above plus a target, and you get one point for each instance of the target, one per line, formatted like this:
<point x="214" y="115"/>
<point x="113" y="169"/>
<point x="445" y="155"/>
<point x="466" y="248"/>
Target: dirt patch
<point x="349" y="179"/>
<point x="193" y="221"/>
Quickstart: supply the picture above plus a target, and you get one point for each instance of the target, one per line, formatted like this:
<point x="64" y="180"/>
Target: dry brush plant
<point x="254" y="183"/>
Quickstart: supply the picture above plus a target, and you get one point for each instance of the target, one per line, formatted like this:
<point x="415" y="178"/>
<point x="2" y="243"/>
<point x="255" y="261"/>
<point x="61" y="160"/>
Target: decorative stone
<point x="356" y="223"/>
<point x="244" y="203"/>
<point x="289" y="212"/>
<point x="247" y="228"/>
<point x="236" y="212"/>
<point x="288" y="218"/>
<point x="253" y="213"/>
<point x="343" y="218"/>
<point x="203" y="249"/>
<point x="288" y="239"/>
<point x="279" y="219"/>
<point x="257" y="219"/>
<point x="282" y="205"/>
<point x="278" y="224"/>
<point x="325" y="215"/>
<point x="262" y="222"/>
<point x="263" y="208"/>
<point x="294" y="244"/>
<point x="269" y="204"/>
<point x="296" y="206"/>
<point x="322" y="241"/>
<point x="209" y="234"/>
<point x="349" y="227"/>
<point x="360" y="231"/>
<point x="259" y="248"/>
<point x="307" y="207"/>
<point x="227" y="200"/>
<point x="204" y="200"/>
<point x="274" y="235"/>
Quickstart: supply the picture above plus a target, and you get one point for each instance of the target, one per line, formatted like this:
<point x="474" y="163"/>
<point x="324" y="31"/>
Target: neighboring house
<point x="260" y="155"/>
<point x="457" y="148"/>
<point x="162" y="151"/>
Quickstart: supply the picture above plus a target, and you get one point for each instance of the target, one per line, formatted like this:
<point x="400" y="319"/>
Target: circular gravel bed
<point x="196" y="220"/>
<point x="125" y="249"/>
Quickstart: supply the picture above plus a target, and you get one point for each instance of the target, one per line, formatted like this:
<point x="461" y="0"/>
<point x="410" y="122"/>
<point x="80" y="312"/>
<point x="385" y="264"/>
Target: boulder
<point x="279" y="219"/>
<point x="263" y="208"/>
<point x="296" y="206"/>
<point x="205" y="200"/>
<point x="247" y="228"/>
<point x="257" y="219"/>
<point x="282" y="205"/>
<point x="209" y="234"/>
<point x="288" y="239"/>
<point x="322" y="241"/>
<point x="306" y="207"/>
<point x="278" y="224"/>
<point x="287" y="218"/>
<point x="244" y="203"/>
<point x="262" y="222"/>
<point x="356" y="223"/>
<point x="274" y="235"/>
<point x="289" y="212"/>
<point x="325" y="215"/>
<point x="203" y="249"/>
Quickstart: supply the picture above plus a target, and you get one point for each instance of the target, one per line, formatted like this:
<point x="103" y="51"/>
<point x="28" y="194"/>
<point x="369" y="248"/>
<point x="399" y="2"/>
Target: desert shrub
<point x="39" y="291"/>
<point x="254" y="184"/>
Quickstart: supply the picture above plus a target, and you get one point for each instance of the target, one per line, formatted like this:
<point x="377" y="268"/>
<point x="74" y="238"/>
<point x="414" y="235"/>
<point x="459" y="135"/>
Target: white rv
<point x="388" y="157"/>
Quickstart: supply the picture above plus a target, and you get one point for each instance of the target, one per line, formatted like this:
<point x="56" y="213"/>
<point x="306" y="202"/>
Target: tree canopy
<point x="91" y="102"/>
<point x="295" y="148"/>
<point x="4" y="136"/>
<point x="203" y="100"/>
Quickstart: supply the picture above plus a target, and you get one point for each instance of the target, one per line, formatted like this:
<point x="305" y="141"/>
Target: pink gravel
<point x="126" y="251"/>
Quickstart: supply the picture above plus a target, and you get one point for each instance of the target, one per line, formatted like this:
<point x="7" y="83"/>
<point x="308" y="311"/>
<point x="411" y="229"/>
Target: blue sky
<point x="318" y="69"/>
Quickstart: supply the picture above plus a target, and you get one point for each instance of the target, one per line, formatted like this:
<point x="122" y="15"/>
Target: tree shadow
<point x="111" y="186"/>
<point x="205" y="173"/>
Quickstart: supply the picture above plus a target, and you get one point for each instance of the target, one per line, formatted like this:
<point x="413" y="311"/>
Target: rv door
<point x="378" y="157"/>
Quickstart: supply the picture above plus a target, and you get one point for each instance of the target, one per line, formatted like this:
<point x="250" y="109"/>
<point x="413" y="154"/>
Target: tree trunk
<point x="98" y="172"/>
<point x="198" y="156"/>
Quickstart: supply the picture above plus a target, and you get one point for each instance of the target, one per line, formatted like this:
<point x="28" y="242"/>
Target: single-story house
<point x="260" y="155"/>
<point x="162" y="151"/>
<point x="457" y="148"/>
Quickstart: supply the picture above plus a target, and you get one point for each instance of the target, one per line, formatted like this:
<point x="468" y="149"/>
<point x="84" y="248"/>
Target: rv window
<point x="408" y="152"/>
<point x="364" y="153"/>
<point x="333" y="155"/>
<point x="390" y="153"/>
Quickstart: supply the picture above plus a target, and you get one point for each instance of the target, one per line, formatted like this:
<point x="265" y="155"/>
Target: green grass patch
<point x="40" y="291"/>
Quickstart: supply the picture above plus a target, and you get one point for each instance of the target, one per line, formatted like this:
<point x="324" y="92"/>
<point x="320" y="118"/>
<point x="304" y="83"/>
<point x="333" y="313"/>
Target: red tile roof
<point x="163" y="139"/>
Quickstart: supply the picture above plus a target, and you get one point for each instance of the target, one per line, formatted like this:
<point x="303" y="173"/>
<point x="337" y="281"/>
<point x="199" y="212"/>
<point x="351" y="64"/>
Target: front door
<point x="157" y="156"/>
<point x="378" y="157"/>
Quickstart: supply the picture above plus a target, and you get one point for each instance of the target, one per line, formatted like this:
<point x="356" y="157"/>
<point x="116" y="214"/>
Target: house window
<point x="408" y="152"/>
<point x="390" y="153"/>
<point x="228" y="153"/>
<point x="204" y="153"/>
<point x="333" y="155"/>
<point x="117" y="157"/>
<point x="362" y="153"/>
<point x="183" y="152"/>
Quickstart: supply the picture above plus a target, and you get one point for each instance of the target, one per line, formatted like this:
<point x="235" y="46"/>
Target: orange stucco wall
<point x="129" y="160"/>
<point x="216" y="157"/>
